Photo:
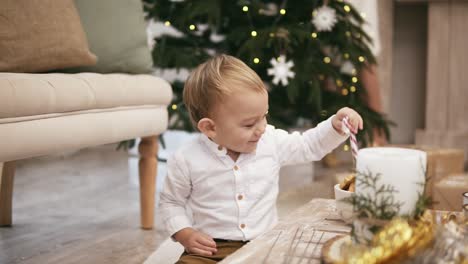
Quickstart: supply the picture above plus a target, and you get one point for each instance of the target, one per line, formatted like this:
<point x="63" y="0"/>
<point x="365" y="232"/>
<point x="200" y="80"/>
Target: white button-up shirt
<point x="236" y="200"/>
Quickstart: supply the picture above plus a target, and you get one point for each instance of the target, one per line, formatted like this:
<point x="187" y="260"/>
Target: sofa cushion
<point x="41" y="35"/>
<point x="116" y="31"/>
<point x="23" y="94"/>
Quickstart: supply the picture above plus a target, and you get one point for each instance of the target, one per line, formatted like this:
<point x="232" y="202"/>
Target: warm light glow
<point x="344" y="91"/>
<point x="339" y="83"/>
<point x="347" y="8"/>
<point x="253" y="33"/>
<point x="174" y="107"/>
<point x="282" y="11"/>
<point x="192" y="27"/>
<point x="256" y="60"/>
<point x="361" y="59"/>
<point x="327" y="60"/>
<point x="245" y="8"/>
<point x="352" y="89"/>
<point x="346" y="55"/>
<point x="346" y="147"/>
<point x="354" y="79"/>
<point x="313" y="35"/>
<point x="167" y="23"/>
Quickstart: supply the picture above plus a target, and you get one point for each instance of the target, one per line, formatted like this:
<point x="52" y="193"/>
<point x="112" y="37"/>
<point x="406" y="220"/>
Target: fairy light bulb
<point x="192" y="27"/>
<point x="253" y="33"/>
<point x="167" y="23"/>
<point x="347" y="8"/>
<point x="326" y="60"/>
<point x="174" y="107"/>
<point x="256" y="60"/>
<point x="354" y="79"/>
<point x="344" y="91"/>
<point x="346" y="147"/>
<point x="339" y="83"/>
<point x="313" y="35"/>
<point x="352" y="89"/>
<point x="245" y="8"/>
<point x="361" y="59"/>
<point x="283" y="11"/>
<point x="346" y="55"/>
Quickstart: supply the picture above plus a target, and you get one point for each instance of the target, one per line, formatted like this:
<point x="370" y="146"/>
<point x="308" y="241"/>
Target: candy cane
<point x="347" y="128"/>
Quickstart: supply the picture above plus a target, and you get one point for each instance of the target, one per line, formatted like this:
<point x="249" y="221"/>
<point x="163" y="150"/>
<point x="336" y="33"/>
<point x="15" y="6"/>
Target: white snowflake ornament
<point x="281" y="70"/>
<point x="348" y="68"/>
<point x="324" y="18"/>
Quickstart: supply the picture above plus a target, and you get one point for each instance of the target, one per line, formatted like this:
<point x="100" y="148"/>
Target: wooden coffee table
<point x="296" y="239"/>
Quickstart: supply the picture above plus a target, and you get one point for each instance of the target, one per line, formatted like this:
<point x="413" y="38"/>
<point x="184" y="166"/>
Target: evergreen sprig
<point x="378" y="201"/>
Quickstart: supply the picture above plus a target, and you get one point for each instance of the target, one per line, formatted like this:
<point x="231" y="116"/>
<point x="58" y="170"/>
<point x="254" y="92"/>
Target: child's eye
<point x="249" y="125"/>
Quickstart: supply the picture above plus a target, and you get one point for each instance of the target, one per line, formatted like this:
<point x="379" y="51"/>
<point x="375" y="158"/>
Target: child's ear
<point x="207" y="127"/>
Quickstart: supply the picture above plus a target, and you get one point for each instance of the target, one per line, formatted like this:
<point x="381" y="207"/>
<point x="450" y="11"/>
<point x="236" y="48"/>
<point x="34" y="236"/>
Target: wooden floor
<point x="84" y="208"/>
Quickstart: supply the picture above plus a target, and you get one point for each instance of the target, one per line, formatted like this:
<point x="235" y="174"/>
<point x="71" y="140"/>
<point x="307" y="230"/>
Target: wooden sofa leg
<point x="148" y="163"/>
<point x="7" y="173"/>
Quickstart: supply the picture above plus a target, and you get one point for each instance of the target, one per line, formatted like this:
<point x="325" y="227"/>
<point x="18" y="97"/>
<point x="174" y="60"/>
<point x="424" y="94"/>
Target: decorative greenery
<point x="379" y="203"/>
<point x="377" y="206"/>
<point x="423" y="201"/>
<point x="257" y="31"/>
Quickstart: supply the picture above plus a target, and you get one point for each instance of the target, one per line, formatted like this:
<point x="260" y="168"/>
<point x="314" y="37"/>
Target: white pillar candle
<point x="404" y="169"/>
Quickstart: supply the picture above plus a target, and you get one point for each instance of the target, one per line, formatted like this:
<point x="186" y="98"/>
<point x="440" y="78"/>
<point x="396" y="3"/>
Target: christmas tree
<point x="308" y="53"/>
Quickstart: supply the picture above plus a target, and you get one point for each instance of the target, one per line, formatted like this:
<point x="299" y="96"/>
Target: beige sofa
<point x="42" y="114"/>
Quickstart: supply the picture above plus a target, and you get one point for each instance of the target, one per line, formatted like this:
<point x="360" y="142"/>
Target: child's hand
<point x="355" y="120"/>
<point x="196" y="242"/>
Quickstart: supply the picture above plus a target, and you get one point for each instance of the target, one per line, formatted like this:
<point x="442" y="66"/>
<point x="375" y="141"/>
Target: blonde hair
<point x="211" y="82"/>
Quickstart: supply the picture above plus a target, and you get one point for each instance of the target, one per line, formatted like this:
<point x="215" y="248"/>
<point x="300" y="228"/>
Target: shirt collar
<point x="215" y="148"/>
<point x="222" y="151"/>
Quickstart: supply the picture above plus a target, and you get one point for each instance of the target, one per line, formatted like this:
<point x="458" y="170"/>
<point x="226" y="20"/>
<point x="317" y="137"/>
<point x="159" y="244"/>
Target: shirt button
<point x="242" y="226"/>
<point x="220" y="148"/>
<point x="235" y="167"/>
<point x="240" y="197"/>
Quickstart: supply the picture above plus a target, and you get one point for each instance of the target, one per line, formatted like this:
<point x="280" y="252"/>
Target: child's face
<point x="240" y="121"/>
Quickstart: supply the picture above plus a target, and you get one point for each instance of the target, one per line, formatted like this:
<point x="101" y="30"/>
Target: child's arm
<point x="315" y="143"/>
<point x="176" y="191"/>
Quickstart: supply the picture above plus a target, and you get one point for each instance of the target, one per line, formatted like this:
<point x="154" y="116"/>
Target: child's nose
<point x="260" y="130"/>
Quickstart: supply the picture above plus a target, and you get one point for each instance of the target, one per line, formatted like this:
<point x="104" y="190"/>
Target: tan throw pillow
<point x="41" y="35"/>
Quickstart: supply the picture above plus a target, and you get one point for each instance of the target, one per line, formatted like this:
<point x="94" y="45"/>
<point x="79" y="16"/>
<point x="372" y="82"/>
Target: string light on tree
<point x="326" y="59"/>
<point x="167" y="23"/>
<point x="347" y="8"/>
<point x="256" y="60"/>
<point x="346" y="147"/>
<point x="324" y="18"/>
<point x="361" y="59"/>
<point x="354" y="79"/>
<point x="192" y="27"/>
<point x="281" y="70"/>
<point x="174" y="107"/>
<point x="352" y="89"/>
<point x="253" y="33"/>
<point x="283" y="11"/>
<point x="313" y="35"/>
<point x="245" y="8"/>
